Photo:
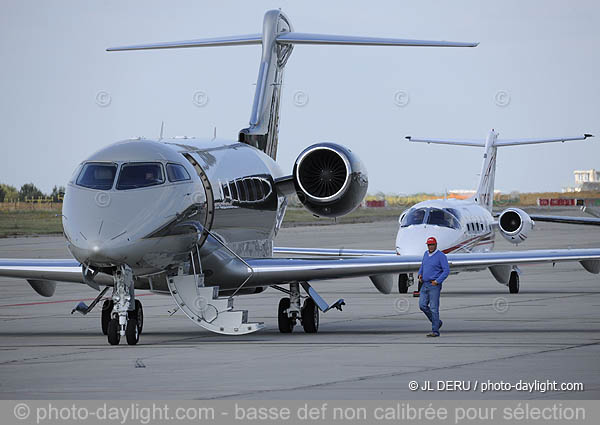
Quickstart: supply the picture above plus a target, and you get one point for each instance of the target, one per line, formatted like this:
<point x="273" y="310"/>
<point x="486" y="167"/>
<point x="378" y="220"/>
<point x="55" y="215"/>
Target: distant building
<point x="585" y="180"/>
<point x="465" y="193"/>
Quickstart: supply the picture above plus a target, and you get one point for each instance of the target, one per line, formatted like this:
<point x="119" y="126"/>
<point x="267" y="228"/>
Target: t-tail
<point x="484" y="195"/>
<point x="278" y="39"/>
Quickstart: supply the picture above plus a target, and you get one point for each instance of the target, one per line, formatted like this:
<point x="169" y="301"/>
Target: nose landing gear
<point x="123" y="315"/>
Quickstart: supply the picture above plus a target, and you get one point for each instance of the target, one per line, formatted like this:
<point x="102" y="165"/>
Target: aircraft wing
<point x="332" y="252"/>
<point x="279" y="270"/>
<point x="589" y="221"/>
<point x="64" y="270"/>
<point x="372" y="263"/>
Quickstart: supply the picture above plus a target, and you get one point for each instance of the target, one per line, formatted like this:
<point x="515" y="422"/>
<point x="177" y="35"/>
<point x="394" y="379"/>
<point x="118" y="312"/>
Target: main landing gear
<point x="309" y="316"/>
<point x="513" y="283"/>
<point x="404" y="282"/>
<point x="123" y="314"/>
<point x="290" y="309"/>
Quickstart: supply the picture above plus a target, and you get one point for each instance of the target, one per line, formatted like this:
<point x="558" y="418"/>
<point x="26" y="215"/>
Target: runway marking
<point x="63" y="301"/>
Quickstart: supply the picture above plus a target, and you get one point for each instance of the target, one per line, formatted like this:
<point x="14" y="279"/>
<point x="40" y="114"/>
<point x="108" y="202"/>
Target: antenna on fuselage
<point x="214" y="134"/>
<point x="162" y="130"/>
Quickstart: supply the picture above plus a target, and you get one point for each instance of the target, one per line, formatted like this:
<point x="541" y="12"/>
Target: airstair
<point x="204" y="307"/>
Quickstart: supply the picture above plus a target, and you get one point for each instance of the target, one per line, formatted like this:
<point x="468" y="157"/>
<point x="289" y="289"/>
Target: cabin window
<point x="233" y="191"/>
<point x="177" y="173"/>
<point x="137" y="175"/>
<point x="96" y="175"/>
<point x="247" y="190"/>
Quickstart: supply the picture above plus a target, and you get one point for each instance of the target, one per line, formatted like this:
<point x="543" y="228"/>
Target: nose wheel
<point x="113" y="332"/>
<point x="107" y="308"/>
<point x="132" y="332"/>
<point x="118" y="317"/>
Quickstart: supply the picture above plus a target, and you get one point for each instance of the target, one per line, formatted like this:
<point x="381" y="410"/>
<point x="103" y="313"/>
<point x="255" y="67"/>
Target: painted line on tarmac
<point x="63" y="301"/>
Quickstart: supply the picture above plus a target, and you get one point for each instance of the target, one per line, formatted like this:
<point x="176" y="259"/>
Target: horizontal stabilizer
<point x="235" y="40"/>
<point x="498" y="142"/>
<point x="304" y="38"/>
<point x="292" y="38"/>
<point x="477" y="143"/>
<point x="515" y="142"/>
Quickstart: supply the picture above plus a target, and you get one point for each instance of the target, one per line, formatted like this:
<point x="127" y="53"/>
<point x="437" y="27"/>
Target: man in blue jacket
<point x="434" y="270"/>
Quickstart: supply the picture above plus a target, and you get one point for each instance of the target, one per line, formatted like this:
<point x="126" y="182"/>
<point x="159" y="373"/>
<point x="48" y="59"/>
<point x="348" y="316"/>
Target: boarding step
<point x="204" y="307"/>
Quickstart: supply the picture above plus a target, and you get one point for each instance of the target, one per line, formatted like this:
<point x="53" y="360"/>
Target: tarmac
<point x="373" y="349"/>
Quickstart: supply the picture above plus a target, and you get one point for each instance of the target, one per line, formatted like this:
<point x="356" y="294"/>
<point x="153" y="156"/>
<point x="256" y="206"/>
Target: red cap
<point x="431" y="241"/>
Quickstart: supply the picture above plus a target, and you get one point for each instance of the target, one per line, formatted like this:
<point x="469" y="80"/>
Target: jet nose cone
<point x="409" y="250"/>
<point x="93" y="252"/>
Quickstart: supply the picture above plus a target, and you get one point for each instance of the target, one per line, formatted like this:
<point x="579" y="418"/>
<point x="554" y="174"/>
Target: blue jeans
<point x="429" y="303"/>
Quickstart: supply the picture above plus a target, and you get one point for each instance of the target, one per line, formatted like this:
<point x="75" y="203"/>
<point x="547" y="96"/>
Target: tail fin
<point x="484" y="195"/>
<point x="278" y="39"/>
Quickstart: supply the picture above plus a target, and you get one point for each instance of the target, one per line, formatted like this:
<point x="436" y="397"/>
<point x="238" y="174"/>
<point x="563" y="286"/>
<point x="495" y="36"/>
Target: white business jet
<point x="464" y="226"/>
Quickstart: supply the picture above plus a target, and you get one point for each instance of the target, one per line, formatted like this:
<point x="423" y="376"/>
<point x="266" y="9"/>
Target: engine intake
<point x="330" y="180"/>
<point x="515" y="225"/>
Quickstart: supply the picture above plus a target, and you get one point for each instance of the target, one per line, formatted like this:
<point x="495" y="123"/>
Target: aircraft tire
<point x="131" y="332"/>
<point x="403" y="283"/>
<point x="138" y="315"/>
<point x="114" y="336"/>
<point x="310" y="316"/>
<point x="286" y="325"/>
<point x="513" y="283"/>
<point x="107" y="308"/>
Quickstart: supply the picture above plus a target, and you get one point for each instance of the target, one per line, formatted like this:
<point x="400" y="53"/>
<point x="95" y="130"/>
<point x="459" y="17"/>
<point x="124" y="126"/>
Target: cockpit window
<point x="97" y="176"/>
<point x="416" y="216"/>
<point x="177" y="173"/>
<point x="444" y="218"/>
<point x="133" y="176"/>
<point x="433" y="216"/>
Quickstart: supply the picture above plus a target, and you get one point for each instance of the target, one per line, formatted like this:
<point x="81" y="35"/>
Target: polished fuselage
<point x="228" y="208"/>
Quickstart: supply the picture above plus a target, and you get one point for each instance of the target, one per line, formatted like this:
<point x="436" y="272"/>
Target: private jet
<point x="196" y="219"/>
<point x="464" y="226"/>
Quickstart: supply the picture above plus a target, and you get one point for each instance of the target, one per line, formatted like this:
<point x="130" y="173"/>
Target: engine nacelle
<point x="330" y="180"/>
<point x="515" y="224"/>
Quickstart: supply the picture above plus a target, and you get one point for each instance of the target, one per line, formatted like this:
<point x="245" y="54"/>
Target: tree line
<point x="10" y="193"/>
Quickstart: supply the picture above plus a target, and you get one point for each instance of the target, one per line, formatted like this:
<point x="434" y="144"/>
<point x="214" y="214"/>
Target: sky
<point x="535" y="74"/>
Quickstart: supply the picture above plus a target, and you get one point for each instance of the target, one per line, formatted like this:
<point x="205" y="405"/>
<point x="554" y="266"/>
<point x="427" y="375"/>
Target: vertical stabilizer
<point x="485" y="191"/>
<point x="278" y="39"/>
<point x="264" y="119"/>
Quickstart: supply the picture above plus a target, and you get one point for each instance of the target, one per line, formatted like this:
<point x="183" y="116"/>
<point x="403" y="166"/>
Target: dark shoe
<point x="432" y="335"/>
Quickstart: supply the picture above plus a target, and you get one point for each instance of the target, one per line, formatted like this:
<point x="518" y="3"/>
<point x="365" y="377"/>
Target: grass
<point x="30" y="222"/>
<point x="33" y="219"/>
<point x="300" y="216"/>
<point x="33" y="222"/>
